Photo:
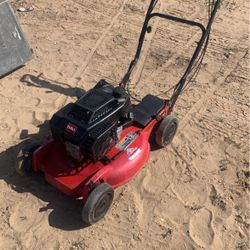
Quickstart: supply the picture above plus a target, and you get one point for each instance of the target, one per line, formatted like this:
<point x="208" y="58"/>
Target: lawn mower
<point x="101" y="141"/>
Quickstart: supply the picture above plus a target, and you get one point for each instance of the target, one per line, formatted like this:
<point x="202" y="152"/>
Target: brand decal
<point x="71" y="128"/>
<point x="132" y="153"/>
<point x="126" y="141"/>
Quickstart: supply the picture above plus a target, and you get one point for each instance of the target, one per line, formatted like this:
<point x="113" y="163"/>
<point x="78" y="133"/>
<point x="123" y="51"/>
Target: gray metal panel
<point x="14" y="49"/>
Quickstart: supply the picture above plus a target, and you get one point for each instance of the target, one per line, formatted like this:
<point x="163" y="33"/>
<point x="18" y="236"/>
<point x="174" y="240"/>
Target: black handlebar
<point x="204" y="36"/>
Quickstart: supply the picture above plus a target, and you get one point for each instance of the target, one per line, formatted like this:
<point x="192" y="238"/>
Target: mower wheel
<point x="97" y="204"/>
<point x="166" y="131"/>
<point x="24" y="160"/>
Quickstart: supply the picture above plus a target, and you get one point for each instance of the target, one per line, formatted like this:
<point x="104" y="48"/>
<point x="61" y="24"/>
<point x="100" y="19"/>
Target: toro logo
<point x="71" y="128"/>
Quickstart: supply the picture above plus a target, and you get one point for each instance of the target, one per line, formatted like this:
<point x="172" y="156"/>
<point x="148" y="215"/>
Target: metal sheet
<point x="14" y="49"/>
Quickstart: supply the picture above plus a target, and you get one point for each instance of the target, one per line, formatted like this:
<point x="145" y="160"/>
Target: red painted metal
<point x="77" y="179"/>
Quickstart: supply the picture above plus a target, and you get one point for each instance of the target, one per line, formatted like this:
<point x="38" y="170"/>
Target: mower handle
<point x="179" y="87"/>
<point x="204" y="36"/>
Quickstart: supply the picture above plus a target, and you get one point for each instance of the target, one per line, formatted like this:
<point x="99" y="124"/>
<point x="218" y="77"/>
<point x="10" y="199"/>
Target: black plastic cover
<point x="147" y="109"/>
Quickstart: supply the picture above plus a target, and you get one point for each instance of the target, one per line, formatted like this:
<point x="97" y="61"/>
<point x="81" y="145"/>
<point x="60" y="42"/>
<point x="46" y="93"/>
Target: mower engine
<point x="90" y="127"/>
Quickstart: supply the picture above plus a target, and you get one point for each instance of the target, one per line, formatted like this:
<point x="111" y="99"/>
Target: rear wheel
<point x="166" y="131"/>
<point x="24" y="160"/>
<point x="97" y="204"/>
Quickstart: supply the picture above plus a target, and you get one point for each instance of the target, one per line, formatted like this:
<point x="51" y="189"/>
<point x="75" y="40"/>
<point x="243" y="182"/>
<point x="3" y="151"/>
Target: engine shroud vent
<point x="94" y="99"/>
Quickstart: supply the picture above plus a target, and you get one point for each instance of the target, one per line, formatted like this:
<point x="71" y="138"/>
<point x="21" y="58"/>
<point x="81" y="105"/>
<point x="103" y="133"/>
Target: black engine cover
<point x="89" y="127"/>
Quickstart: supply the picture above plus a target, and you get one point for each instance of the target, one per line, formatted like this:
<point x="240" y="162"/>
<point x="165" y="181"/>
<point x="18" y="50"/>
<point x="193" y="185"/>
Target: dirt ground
<point x="191" y="195"/>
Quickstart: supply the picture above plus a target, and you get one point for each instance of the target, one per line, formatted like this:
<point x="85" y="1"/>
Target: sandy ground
<point x="191" y="195"/>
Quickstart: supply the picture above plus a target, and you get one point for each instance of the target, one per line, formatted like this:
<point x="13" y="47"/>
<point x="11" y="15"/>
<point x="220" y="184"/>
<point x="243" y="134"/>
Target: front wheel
<point x="97" y="204"/>
<point x="166" y="131"/>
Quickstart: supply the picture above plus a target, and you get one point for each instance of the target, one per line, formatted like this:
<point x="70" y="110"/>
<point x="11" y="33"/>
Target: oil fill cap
<point x="119" y="92"/>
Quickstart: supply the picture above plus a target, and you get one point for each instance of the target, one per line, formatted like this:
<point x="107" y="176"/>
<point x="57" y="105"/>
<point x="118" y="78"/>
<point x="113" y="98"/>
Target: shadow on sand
<point x="41" y="81"/>
<point x="66" y="211"/>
